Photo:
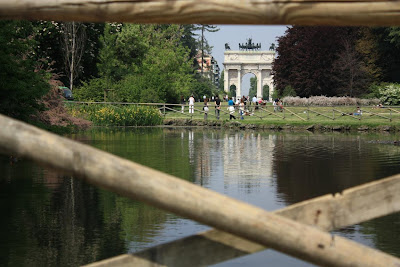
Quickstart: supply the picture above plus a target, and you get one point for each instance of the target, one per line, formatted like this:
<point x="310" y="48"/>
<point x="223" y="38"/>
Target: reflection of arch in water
<point x="191" y="146"/>
<point x="239" y="63"/>
<point x="247" y="159"/>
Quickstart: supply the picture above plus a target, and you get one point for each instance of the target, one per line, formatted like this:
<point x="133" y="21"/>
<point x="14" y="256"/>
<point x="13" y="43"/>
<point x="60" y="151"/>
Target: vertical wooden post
<point x="164" y="110"/>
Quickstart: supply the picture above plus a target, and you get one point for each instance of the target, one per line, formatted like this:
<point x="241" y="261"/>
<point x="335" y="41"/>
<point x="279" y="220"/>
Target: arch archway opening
<point x="265" y="92"/>
<point x="232" y="90"/>
<point x="249" y="85"/>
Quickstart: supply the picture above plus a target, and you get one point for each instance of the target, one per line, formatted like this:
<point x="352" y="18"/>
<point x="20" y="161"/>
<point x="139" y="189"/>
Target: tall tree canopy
<point x="142" y="63"/>
<point x="337" y="60"/>
<point x="55" y="48"/>
<point x="22" y="83"/>
<point x="313" y="61"/>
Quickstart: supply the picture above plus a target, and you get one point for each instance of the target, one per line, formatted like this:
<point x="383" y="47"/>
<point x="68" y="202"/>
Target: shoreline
<point x="279" y="127"/>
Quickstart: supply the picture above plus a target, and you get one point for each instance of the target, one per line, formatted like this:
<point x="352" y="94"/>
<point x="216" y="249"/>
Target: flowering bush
<point x="389" y="94"/>
<point x="328" y="101"/>
<point x="109" y="115"/>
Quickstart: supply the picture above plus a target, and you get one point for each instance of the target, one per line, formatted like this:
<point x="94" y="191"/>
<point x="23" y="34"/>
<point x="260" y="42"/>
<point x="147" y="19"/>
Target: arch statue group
<point x="239" y="63"/>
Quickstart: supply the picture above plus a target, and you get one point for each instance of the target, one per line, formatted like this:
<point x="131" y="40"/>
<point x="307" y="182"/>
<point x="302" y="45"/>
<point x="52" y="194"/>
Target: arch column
<point x="226" y="80"/>
<point x="239" y="85"/>
<point x="259" y="84"/>
<point x="271" y="89"/>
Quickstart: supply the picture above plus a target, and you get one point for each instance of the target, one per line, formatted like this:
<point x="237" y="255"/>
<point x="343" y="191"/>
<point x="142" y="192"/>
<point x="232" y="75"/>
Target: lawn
<point x="340" y="115"/>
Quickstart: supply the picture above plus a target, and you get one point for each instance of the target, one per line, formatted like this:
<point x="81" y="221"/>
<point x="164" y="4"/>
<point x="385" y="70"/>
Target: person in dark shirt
<point x="217" y="107"/>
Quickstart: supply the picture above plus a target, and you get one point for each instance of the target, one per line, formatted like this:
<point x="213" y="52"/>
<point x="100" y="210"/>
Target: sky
<point x="235" y="34"/>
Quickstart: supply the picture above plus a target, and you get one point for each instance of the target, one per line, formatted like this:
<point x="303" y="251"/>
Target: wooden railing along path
<point x="242" y="228"/>
<point x="263" y="111"/>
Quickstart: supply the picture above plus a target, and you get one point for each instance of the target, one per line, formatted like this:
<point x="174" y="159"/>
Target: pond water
<point x="53" y="219"/>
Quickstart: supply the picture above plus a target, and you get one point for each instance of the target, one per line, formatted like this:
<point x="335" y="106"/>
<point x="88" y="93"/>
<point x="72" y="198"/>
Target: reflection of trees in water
<point x="310" y="166"/>
<point x="385" y="233"/>
<point x="158" y="148"/>
<point x="69" y="224"/>
<point x="54" y="227"/>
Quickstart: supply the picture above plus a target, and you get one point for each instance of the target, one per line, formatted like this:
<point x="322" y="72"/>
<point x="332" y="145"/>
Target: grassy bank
<point x="341" y="116"/>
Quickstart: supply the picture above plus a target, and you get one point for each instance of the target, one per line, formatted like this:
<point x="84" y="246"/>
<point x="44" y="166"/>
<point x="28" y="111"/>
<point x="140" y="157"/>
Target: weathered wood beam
<point x="329" y="212"/>
<point x="291" y="112"/>
<point x="186" y="199"/>
<point x="300" y="12"/>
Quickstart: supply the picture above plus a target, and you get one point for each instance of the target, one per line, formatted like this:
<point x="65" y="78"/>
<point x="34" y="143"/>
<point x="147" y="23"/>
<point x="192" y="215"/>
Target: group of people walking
<point x="232" y="106"/>
<point x="206" y="109"/>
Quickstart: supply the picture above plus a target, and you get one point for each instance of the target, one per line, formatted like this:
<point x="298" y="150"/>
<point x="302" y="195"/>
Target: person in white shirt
<point x="191" y="104"/>
<point x="254" y="100"/>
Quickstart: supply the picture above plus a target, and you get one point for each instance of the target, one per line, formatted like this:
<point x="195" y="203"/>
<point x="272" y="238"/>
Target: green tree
<point x="367" y="45"/>
<point x="152" y="63"/>
<point x="232" y="91"/>
<point x="51" y="52"/>
<point x="253" y="87"/>
<point x="92" y="90"/>
<point x="265" y="92"/>
<point x="203" y="28"/>
<point x="188" y="39"/>
<point x="389" y="53"/>
<point x="202" y="86"/>
<point x="221" y="85"/>
<point x="288" y="91"/>
<point x="21" y="83"/>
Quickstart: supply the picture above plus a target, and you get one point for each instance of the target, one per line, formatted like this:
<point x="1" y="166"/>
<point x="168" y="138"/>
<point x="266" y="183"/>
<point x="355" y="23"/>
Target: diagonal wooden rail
<point x="283" y="12"/>
<point x="377" y="115"/>
<point x="320" y="114"/>
<point x="272" y="113"/>
<point x="347" y="114"/>
<point x="183" y="198"/>
<point x="291" y="112"/>
<point x="329" y="212"/>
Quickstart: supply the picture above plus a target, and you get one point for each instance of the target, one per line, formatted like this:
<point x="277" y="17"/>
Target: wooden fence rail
<point x="367" y="12"/>
<point x="167" y="109"/>
<point x="186" y="199"/>
<point x="329" y="212"/>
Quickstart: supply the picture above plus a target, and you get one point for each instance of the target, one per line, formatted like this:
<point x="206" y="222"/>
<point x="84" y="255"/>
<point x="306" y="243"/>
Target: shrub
<point x="328" y="101"/>
<point x="110" y="115"/>
<point x="92" y="91"/>
<point x="389" y="94"/>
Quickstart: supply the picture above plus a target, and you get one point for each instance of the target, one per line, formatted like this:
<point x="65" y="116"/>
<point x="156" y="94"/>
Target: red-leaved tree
<point x="306" y="59"/>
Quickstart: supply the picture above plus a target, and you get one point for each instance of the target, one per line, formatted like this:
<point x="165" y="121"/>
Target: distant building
<point x="210" y="68"/>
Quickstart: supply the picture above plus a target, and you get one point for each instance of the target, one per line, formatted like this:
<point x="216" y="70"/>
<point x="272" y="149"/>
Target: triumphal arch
<point x="248" y="59"/>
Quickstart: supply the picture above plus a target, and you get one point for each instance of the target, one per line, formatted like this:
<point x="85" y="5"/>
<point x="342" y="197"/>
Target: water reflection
<point x="54" y="219"/>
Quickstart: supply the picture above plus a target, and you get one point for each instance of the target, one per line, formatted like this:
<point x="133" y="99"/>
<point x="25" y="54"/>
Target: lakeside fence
<point x="298" y="230"/>
<point x="303" y="113"/>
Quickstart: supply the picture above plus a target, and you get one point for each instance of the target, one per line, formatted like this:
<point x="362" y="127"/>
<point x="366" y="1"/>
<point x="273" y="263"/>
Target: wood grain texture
<point x="186" y="199"/>
<point x="276" y="12"/>
<point x="329" y="212"/>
